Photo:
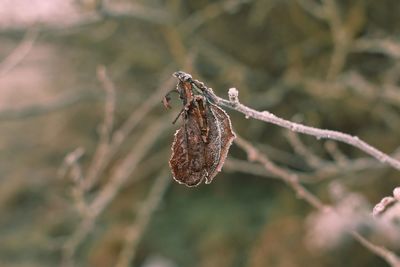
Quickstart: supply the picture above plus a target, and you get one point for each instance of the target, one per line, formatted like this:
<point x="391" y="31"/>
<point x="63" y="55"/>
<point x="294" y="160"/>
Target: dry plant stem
<point x="290" y="178"/>
<point x="146" y="210"/>
<point x="328" y="170"/>
<point x="118" y="178"/>
<point x="108" y="86"/>
<point x="20" y="52"/>
<point x="302" y="150"/>
<point x="105" y="128"/>
<point x="333" y="169"/>
<point x="208" y="13"/>
<point x="64" y="101"/>
<point x="137" y="11"/>
<point x="336" y="154"/>
<point x="266" y="116"/>
<point x="386" y="46"/>
<point x="391" y="258"/>
<point x="72" y="167"/>
<point x="293" y="181"/>
<point x="122" y="133"/>
<point x="340" y="38"/>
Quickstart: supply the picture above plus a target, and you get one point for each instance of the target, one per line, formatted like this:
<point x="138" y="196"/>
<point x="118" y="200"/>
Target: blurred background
<point x="85" y="140"/>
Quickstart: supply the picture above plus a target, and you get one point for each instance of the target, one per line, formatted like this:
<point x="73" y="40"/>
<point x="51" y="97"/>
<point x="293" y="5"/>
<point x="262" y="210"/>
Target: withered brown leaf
<point x="202" y="143"/>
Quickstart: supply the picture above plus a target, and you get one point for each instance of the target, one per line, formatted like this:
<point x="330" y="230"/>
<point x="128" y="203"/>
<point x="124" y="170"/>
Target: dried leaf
<point x="202" y="143"/>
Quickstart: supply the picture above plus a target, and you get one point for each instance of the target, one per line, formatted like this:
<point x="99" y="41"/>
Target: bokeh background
<point x="330" y="64"/>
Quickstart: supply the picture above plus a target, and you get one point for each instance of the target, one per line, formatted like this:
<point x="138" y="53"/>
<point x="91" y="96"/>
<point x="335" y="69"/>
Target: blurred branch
<point x="290" y="178"/>
<point x="109" y="145"/>
<point x="293" y="181"/>
<point x="103" y="145"/>
<point x="333" y="169"/>
<point x="343" y="30"/>
<point x="233" y="103"/>
<point x="391" y="258"/>
<point x="108" y="192"/>
<point x="301" y="149"/>
<point x="103" y="11"/>
<point x="333" y="150"/>
<point x="137" y="11"/>
<point x="71" y="164"/>
<point x="143" y="217"/>
<point x="20" y="52"/>
<point x="244" y="166"/>
<point x="311" y="7"/>
<point x="321" y="173"/>
<point x="350" y="81"/>
<point x="120" y="135"/>
<point x="109" y="109"/>
<point x="208" y="13"/>
<point x="385" y="46"/>
<point x="62" y="102"/>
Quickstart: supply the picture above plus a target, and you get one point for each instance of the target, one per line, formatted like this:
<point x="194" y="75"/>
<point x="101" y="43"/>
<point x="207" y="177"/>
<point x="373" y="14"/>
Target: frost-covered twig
<point x="233" y="103"/>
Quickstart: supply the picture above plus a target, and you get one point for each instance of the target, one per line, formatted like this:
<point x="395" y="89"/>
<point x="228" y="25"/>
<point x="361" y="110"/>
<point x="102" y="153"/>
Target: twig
<point x="72" y="167"/>
<point x="20" y="52"/>
<point x="312" y="8"/>
<point x="121" y="133"/>
<point x="244" y="166"/>
<point x="333" y="150"/>
<point x="301" y="149"/>
<point x="383" y="252"/>
<point x="290" y="178"/>
<point x="266" y="116"/>
<point x="137" y="11"/>
<point x="118" y="178"/>
<point x="137" y="229"/>
<point x="293" y="181"/>
<point x="332" y="169"/>
<point x="103" y="146"/>
<point x="62" y="102"/>
<point x="210" y="12"/>
<point x="386" y="46"/>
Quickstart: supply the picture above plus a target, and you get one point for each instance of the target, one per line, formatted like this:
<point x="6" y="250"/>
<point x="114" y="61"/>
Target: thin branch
<point x="266" y="116"/>
<point x="118" y="178"/>
<point x="64" y="101"/>
<point x="386" y="46"/>
<point x="301" y="149"/>
<point x="244" y="166"/>
<point x="120" y="135"/>
<point x="384" y="253"/>
<point x="290" y="178"/>
<point x="20" y="52"/>
<point x="134" y="10"/>
<point x="103" y="146"/>
<point x="333" y="150"/>
<point x="293" y="181"/>
<point x="72" y="167"/>
<point x="333" y="169"/>
<point x="137" y="229"/>
<point x="208" y="13"/>
<point x="312" y="8"/>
